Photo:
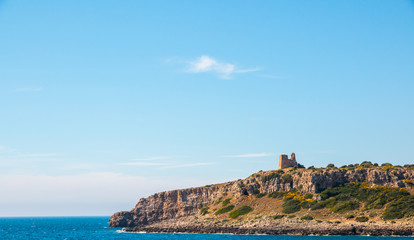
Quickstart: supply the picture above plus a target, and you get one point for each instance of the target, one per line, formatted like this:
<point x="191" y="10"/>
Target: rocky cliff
<point x="185" y="203"/>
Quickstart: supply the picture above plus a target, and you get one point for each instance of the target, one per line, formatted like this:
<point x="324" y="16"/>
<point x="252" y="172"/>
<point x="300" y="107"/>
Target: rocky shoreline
<point x="277" y="228"/>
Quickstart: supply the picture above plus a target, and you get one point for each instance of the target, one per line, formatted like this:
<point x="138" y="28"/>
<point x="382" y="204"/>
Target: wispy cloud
<point x="28" y="89"/>
<point x="189" y="165"/>
<point x="224" y="70"/>
<point x="152" y="162"/>
<point x="250" y="155"/>
<point x="144" y="164"/>
<point x="152" y="158"/>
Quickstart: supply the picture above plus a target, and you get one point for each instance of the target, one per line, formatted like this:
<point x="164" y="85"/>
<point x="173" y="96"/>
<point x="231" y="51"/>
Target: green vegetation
<point x="278" y="195"/>
<point x="349" y="216"/>
<point x="240" y="211"/>
<point x="204" y="211"/>
<point x="361" y="219"/>
<point x="366" y="164"/>
<point x="287" y="178"/>
<point x="225" y="202"/>
<point x="398" y="203"/>
<point x="291" y="206"/>
<point x="272" y="176"/>
<point x="306" y="217"/>
<point x="403" y="207"/>
<point x="280" y="216"/>
<point x="224" y="209"/>
<point x="344" y="206"/>
<point x="260" y="195"/>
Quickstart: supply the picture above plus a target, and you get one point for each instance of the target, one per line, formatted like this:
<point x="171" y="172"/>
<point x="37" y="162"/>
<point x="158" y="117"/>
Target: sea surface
<point x="97" y="228"/>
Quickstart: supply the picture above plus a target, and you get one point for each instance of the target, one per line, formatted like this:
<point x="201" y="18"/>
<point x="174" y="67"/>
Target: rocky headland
<point x="352" y="200"/>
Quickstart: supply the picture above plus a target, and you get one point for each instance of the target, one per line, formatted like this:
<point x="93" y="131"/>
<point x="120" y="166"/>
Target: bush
<point x="224" y="209"/>
<point x="270" y="177"/>
<point x="366" y="164"/>
<point x="279" y="216"/>
<point x="386" y="165"/>
<point x="300" y="166"/>
<point x="350" y="216"/>
<point x="341" y="207"/>
<point x="291" y="206"/>
<point x="308" y="196"/>
<point x="260" y="195"/>
<point x="204" y="211"/>
<point x="240" y="211"/>
<point x="278" y="195"/>
<point x="330" y="165"/>
<point x="306" y="217"/>
<point x="400" y="208"/>
<point x="287" y="178"/>
<point x="225" y="202"/>
<point x="361" y="219"/>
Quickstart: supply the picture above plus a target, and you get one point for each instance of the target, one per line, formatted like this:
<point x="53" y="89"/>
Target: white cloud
<point x="189" y="165"/>
<point x="152" y="158"/>
<point x="144" y="164"/>
<point x="208" y="64"/>
<point x="250" y="155"/>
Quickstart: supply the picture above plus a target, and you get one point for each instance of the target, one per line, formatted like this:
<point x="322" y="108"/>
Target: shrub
<point x="240" y="211"/>
<point x="300" y="166"/>
<point x="256" y="191"/>
<point x="218" y="201"/>
<point x="225" y="202"/>
<point x="366" y="164"/>
<point x="287" y="178"/>
<point x="279" y="216"/>
<point x="270" y="177"/>
<point x="306" y="217"/>
<point x="330" y="165"/>
<point x="291" y="206"/>
<point x="224" y="209"/>
<point x="400" y="208"/>
<point x="260" y="195"/>
<point x="361" y="219"/>
<point x="311" y="167"/>
<point x="204" y="211"/>
<point x="350" y="216"/>
<point x="341" y="207"/>
<point x="308" y="196"/>
<point x="386" y="165"/>
<point x="278" y="195"/>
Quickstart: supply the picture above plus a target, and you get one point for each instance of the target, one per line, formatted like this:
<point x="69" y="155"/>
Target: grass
<point x="204" y="211"/>
<point x="240" y="211"/>
<point x="280" y="216"/>
<point x="361" y="219"/>
<point x="306" y="217"/>
<point x="291" y="206"/>
<point x="224" y="209"/>
<point x="226" y="201"/>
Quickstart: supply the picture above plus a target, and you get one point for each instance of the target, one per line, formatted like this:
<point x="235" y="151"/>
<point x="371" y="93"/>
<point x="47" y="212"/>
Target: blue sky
<point x="104" y="103"/>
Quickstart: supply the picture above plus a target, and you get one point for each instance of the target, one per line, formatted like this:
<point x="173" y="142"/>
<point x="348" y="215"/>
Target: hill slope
<point x="352" y="194"/>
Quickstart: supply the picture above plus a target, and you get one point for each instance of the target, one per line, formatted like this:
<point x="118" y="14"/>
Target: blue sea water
<point x="97" y="228"/>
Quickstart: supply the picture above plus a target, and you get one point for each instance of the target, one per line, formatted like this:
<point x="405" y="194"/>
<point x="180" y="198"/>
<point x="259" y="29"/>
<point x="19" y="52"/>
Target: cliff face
<point x="188" y="202"/>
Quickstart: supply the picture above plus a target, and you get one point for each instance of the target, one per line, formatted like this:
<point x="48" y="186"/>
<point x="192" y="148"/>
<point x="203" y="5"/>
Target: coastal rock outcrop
<point x="188" y="202"/>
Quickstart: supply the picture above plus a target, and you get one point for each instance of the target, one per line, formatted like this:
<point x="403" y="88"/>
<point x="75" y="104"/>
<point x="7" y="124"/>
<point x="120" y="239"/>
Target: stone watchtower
<point x="284" y="162"/>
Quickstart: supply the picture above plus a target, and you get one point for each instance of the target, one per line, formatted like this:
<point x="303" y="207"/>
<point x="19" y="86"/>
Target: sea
<point x="97" y="228"/>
